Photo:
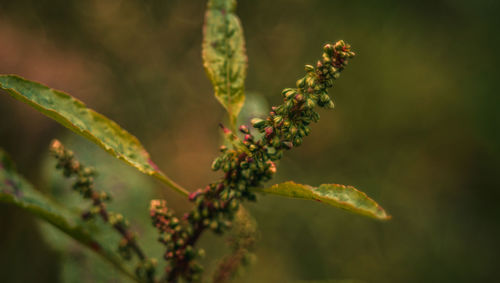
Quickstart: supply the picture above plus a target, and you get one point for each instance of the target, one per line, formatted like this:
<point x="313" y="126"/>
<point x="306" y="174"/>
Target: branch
<point x="249" y="163"/>
<point x="85" y="186"/>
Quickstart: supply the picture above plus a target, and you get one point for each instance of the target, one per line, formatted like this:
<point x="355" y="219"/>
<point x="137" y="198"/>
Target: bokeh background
<point x="416" y="126"/>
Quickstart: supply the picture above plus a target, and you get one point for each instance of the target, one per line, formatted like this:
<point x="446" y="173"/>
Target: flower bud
<point x="214" y="225"/>
<point x="277" y="119"/>
<point x="310" y="103"/>
<point x="243" y="129"/>
<point x="288" y="145"/>
<point x="301" y="82"/>
<point x="257" y="123"/>
<point x="288" y="92"/>
<point x="328" y="49"/>
<point x="309" y="68"/>
<point x="216" y="164"/>
<point x="310" y="81"/>
<point x="324" y="98"/>
<point x="326" y="59"/>
<point x="299" y="97"/>
<point x="297" y="141"/>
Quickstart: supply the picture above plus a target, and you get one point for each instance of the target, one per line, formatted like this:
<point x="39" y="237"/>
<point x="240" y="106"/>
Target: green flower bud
<point x="297" y="141"/>
<point x="288" y="145"/>
<point x="257" y="123"/>
<point x="310" y="81"/>
<point x="277" y="119"/>
<point x="214" y="225"/>
<point x="326" y="59"/>
<point x="310" y="103"/>
<point x="288" y="92"/>
<point x="328" y="49"/>
<point x="226" y="167"/>
<point x="324" y="98"/>
<point x="302" y="132"/>
<point x="276" y="142"/>
<point x="339" y="45"/>
<point x="301" y="82"/>
<point x="216" y="164"/>
<point x="204" y="212"/>
<point x="309" y="68"/>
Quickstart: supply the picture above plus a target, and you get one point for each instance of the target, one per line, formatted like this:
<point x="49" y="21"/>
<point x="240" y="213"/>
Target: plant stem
<point x="167" y="181"/>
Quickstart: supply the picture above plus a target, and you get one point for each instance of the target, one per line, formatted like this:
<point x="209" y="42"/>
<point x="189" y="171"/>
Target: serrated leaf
<point x="17" y="191"/>
<point x="345" y="197"/>
<point x="224" y="56"/>
<point x="73" y="114"/>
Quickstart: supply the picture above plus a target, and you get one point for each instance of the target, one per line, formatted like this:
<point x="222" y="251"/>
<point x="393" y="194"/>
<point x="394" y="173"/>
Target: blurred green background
<point x="416" y="126"/>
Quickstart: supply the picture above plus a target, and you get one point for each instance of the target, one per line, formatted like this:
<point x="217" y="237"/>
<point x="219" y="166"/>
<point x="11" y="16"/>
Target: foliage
<point x="345" y="197"/>
<point x="15" y="190"/>
<point x="73" y="114"/>
<point x="224" y="55"/>
<point x="247" y="161"/>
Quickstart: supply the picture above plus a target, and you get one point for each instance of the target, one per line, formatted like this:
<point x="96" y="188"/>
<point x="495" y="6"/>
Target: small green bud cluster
<point x="180" y="254"/>
<point x="84" y="184"/>
<point x="288" y="124"/>
<point x="251" y="161"/>
<point x="244" y="166"/>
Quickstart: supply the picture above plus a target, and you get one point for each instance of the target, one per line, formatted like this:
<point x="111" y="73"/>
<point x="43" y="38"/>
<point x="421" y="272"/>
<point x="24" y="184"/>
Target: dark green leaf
<point x="224" y="55"/>
<point x="17" y="191"/>
<point x="74" y="115"/>
<point x="345" y="197"/>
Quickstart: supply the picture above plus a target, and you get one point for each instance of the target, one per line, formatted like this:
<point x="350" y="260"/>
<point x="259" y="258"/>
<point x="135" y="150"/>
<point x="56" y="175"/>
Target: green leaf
<point x="74" y="115"/>
<point x="345" y="197"/>
<point x="224" y="56"/>
<point x="17" y="191"/>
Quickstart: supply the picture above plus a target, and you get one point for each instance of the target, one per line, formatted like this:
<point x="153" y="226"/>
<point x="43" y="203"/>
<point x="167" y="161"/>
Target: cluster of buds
<point x="251" y="160"/>
<point x="179" y="253"/>
<point x="288" y="123"/>
<point x="84" y="184"/>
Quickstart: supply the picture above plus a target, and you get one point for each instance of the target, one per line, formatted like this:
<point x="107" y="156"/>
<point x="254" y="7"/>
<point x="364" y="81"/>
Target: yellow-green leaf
<point x="74" y="115"/>
<point x="224" y="56"/>
<point x="345" y="197"/>
<point x="17" y="191"/>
